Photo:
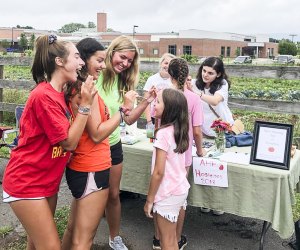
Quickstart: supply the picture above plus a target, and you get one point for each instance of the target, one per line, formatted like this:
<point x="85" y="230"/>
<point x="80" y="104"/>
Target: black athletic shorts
<point x="116" y="152"/>
<point x="82" y="184"/>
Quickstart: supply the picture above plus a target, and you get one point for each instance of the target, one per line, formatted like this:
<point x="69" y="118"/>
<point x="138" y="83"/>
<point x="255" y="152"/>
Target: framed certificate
<point x="271" y="144"/>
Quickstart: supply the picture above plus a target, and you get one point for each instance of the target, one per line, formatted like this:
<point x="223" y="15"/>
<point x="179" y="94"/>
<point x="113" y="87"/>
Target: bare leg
<point x="85" y="217"/>
<point x="36" y="217"/>
<point x="156" y="230"/>
<point x="67" y="238"/>
<point x="113" y="208"/>
<point x="180" y="223"/>
<point x="168" y="239"/>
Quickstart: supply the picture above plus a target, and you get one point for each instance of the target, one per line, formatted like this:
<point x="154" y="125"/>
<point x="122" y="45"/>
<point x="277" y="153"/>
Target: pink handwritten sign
<point x="210" y="172"/>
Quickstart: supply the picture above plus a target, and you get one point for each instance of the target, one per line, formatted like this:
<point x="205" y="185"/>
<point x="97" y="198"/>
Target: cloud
<point x="237" y="16"/>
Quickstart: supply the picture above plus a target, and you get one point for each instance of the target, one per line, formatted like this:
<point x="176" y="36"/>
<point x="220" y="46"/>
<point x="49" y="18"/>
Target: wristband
<point x="121" y="114"/>
<point x="84" y="110"/>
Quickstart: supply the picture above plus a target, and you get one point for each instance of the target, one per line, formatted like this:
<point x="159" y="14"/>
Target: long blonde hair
<point x="127" y="78"/>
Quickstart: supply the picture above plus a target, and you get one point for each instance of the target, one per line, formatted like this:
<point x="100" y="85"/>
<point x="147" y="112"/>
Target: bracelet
<point x="201" y="93"/>
<point x="84" y="110"/>
<point x="121" y="114"/>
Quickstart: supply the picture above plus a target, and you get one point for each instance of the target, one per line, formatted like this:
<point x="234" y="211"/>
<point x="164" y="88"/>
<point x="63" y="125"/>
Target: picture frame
<point x="272" y="144"/>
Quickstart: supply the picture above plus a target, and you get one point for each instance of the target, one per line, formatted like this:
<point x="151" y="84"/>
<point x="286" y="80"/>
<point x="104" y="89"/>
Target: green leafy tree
<point x="23" y="41"/>
<point x="238" y="51"/>
<point x="24" y="27"/>
<point x="31" y="41"/>
<point x="286" y="47"/>
<point x="190" y="58"/>
<point x="71" y="27"/>
<point x="5" y="44"/>
<point x="91" y="25"/>
<point x="110" y="30"/>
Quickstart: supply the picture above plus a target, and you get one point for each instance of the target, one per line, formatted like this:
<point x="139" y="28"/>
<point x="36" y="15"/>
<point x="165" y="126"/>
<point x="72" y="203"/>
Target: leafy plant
<point x="5" y="231"/>
<point x="61" y="219"/>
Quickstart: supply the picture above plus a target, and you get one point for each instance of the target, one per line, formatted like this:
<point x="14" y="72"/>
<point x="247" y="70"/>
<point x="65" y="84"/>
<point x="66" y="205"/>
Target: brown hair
<point x="176" y="113"/>
<point x="47" y="48"/>
<point x="127" y="78"/>
<point x="179" y="70"/>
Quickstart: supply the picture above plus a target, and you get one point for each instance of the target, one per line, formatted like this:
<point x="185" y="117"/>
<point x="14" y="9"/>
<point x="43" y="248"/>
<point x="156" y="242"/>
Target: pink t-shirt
<point x="195" y="119"/>
<point x="174" y="181"/>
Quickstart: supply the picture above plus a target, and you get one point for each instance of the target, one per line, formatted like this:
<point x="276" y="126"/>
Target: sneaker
<point x="156" y="243"/>
<point x="182" y="243"/>
<point x="117" y="243"/>
<point x="218" y="212"/>
<point x="204" y="209"/>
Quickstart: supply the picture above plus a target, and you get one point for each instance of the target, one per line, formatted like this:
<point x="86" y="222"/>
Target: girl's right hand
<point x="148" y="209"/>
<point x="88" y="91"/>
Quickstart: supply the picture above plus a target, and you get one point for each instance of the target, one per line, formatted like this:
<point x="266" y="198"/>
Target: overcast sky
<point x="236" y="16"/>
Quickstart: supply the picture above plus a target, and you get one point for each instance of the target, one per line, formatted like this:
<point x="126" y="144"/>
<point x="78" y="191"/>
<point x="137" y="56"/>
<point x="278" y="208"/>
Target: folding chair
<point x="18" y="113"/>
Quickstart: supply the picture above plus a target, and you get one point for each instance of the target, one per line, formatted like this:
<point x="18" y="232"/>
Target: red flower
<point x="220" y="126"/>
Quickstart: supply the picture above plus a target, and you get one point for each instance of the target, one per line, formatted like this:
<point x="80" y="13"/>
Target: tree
<point x="286" y="47"/>
<point x="91" y="25"/>
<point x="23" y="41"/>
<point x="5" y="44"/>
<point x="24" y="27"/>
<point x="71" y="27"/>
<point x="31" y="41"/>
<point x="110" y="30"/>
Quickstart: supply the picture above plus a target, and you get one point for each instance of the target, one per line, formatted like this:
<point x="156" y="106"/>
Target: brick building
<point x="152" y="45"/>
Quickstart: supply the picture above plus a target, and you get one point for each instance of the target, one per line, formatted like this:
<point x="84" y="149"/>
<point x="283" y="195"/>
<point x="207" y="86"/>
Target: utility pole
<point x="133" y="31"/>
<point x="12" y="37"/>
<point x="292" y="35"/>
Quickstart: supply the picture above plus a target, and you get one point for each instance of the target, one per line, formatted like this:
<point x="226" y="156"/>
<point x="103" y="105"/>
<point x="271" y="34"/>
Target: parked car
<point x="242" y="59"/>
<point x="285" y="59"/>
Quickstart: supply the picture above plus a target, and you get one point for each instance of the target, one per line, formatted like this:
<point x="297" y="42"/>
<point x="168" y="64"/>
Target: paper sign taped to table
<point x="210" y="172"/>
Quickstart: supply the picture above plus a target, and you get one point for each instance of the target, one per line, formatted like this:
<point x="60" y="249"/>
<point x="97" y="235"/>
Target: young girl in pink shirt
<point x="169" y="186"/>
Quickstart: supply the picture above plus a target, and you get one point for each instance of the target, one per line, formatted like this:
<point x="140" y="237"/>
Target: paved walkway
<point x="204" y="231"/>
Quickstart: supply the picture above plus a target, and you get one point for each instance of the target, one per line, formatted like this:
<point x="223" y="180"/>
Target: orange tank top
<point x="89" y="156"/>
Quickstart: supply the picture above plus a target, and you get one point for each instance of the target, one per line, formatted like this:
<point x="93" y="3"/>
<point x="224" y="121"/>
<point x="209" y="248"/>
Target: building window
<point x="141" y="51"/>
<point x="222" y="51"/>
<point x="228" y="52"/>
<point x="187" y="49"/>
<point x="155" y="51"/>
<point x="172" y="49"/>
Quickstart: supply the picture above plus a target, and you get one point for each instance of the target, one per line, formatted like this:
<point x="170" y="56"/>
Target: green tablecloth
<point x="254" y="191"/>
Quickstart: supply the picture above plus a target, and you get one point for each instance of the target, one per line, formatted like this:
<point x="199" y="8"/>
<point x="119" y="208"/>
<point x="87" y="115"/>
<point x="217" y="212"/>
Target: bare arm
<point x="212" y="100"/>
<point x="156" y="178"/>
<point x="137" y="112"/>
<point x="97" y="130"/>
<point x="88" y="93"/>
<point x="147" y="111"/>
<point x="198" y="138"/>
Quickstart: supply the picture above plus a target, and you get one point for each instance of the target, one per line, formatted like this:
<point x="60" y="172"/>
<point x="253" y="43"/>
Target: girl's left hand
<point x="129" y="99"/>
<point x="151" y="94"/>
<point x="148" y="209"/>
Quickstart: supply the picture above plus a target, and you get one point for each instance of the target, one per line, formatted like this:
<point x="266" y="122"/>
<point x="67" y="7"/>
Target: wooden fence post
<point x="1" y="91"/>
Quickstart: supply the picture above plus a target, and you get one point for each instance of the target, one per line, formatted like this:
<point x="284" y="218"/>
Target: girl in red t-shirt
<point x="33" y="174"/>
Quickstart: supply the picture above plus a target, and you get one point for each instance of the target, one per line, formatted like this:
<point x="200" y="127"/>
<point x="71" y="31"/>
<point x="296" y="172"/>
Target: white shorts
<point x="169" y="208"/>
<point x="7" y="198"/>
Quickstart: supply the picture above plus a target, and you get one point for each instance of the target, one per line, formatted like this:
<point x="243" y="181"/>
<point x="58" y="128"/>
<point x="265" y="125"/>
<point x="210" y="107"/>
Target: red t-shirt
<point x="37" y="164"/>
<point x="90" y="156"/>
